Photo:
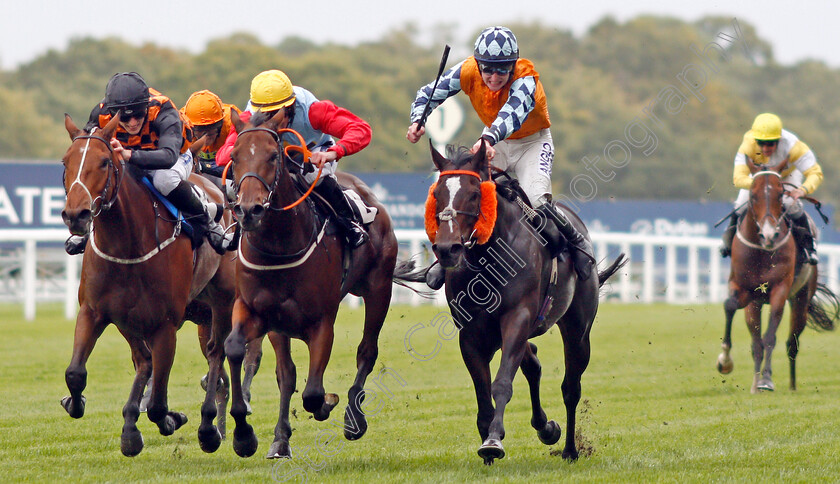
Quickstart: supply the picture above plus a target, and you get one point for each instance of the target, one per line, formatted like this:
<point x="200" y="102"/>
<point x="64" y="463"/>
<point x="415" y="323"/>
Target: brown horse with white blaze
<point x="765" y="270"/>
<point x="140" y="273"/>
<point x="292" y="273"/>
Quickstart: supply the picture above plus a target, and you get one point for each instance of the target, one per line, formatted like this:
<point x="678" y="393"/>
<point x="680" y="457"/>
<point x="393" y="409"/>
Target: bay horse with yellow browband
<point x="504" y="288"/>
<point x="140" y="273"/>
<point x="765" y="270"/>
<point x="292" y="273"/>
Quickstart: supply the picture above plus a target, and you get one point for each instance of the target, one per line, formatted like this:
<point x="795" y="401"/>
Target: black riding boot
<point x="75" y="244"/>
<point x="581" y="250"/>
<point x="806" y="238"/>
<point x="728" y="235"/>
<point x="186" y="200"/>
<point x="353" y="232"/>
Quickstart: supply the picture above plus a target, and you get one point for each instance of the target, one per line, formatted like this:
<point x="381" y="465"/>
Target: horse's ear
<point x="71" y="127"/>
<point x="437" y="158"/>
<point x="198" y="145"/>
<point x="111" y="127"/>
<point x="276" y="120"/>
<point x="479" y="159"/>
<point x="237" y="121"/>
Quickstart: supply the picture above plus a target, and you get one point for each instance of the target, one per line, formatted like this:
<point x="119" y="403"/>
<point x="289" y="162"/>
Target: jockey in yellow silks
<point x="767" y="145"/>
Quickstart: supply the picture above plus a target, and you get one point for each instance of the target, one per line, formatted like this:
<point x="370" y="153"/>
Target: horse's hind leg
<point x="575" y="330"/>
<point x="547" y="430"/>
<point x="88" y="330"/>
<point x="163" y="354"/>
<point x="216" y="396"/>
<point x="315" y="399"/>
<point x="286" y="381"/>
<point x="376" y="308"/>
<point x="253" y="357"/>
<point x="131" y="440"/>
<point x="798" y="317"/>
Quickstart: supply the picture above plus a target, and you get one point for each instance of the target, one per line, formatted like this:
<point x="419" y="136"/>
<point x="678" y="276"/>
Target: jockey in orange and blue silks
<point x="768" y="145"/>
<point x="152" y="136"/>
<point x="507" y="95"/>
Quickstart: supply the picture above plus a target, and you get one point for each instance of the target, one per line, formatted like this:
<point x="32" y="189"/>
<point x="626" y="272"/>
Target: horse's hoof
<point x="172" y="422"/>
<point x="491" y="449"/>
<point x="131" y="443"/>
<point x="244" y="441"/>
<point x="355" y="424"/>
<point x="725" y="365"/>
<point x="247" y="407"/>
<point x="73" y="408"/>
<point x="279" y="450"/>
<point x="570" y="455"/>
<point x="209" y="439"/>
<point x="550" y="434"/>
<point x="766" y="385"/>
<point x="330" y="401"/>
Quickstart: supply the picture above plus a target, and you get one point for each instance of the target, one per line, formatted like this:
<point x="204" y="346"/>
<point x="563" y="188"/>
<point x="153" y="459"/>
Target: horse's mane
<point x="261" y="117"/>
<point x="458" y="155"/>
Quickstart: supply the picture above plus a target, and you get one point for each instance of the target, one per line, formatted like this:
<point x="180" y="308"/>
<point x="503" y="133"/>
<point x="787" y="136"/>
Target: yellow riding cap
<point x="766" y="127"/>
<point x="271" y="90"/>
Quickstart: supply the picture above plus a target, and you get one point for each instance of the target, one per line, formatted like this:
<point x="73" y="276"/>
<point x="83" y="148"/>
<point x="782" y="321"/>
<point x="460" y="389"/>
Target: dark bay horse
<point x="765" y="270"/>
<point x="140" y="273"/>
<point x="291" y="276"/>
<point x="502" y="291"/>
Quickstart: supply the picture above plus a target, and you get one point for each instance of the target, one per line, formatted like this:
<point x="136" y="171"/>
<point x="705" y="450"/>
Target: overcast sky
<point x="28" y="28"/>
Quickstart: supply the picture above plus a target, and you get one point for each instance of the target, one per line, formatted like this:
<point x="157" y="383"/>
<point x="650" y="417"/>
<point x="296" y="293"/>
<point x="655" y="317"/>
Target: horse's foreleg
<point x="244" y="326"/>
<point x="547" y="430"/>
<point x="778" y="298"/>
<point x="376" y="308"/>
<point x="315" y="399"/>
<point x="131" y="440"/>
<point x="286" y="381"/>
<point x="163" y="354"/>
<point x="732" y="304"/>
<point x="88" y="330"/>
<point x="752" y="315"/>
<point x="477" y="357"/>
<point x="515" y="329"/>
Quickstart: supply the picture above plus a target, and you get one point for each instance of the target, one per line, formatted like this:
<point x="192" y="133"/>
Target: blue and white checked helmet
<point x="496" y="44"/>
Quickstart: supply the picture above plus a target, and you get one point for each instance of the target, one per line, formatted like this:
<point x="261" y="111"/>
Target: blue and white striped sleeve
<point x="519" y="105"/>
<point x="449" y="85"/>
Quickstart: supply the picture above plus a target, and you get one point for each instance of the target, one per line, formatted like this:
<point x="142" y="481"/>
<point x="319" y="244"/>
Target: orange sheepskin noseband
<point x="486" y="218"/>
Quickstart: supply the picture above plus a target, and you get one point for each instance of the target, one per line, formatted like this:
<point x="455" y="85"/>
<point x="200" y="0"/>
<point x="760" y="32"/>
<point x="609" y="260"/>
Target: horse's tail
<point x="823" y="309"/>
<point x="610" y="271"/>
<point x="404" y="272"/>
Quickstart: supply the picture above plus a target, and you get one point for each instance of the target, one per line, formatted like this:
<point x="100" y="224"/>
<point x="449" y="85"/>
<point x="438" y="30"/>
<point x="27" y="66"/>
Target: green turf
<point x="654" y="409"/>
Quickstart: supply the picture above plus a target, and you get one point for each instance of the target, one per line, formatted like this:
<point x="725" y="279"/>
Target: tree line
<point x="632" y="115"/>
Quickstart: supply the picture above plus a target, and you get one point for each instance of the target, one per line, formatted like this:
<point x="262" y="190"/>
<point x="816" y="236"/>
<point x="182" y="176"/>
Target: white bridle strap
<point x="258" y="267"/>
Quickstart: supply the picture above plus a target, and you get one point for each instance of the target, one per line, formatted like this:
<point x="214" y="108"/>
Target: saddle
<point x="196" y="238"/>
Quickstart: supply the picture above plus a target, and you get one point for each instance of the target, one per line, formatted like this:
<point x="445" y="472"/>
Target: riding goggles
<point x="500" y="69"/>
<point x="135" y="111"/>
<point x="766" y="142"/>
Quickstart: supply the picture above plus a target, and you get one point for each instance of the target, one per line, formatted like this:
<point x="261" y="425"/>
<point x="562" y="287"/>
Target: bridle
<point x="448" y="214"/>
<point x="275" y="159"/>
<point x="118" y="176"/>
<point x="776" y="221"/>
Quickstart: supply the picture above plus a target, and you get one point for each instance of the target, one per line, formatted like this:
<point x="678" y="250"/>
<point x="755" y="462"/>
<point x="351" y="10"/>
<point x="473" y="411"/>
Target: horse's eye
<point x="104" y="162"/>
